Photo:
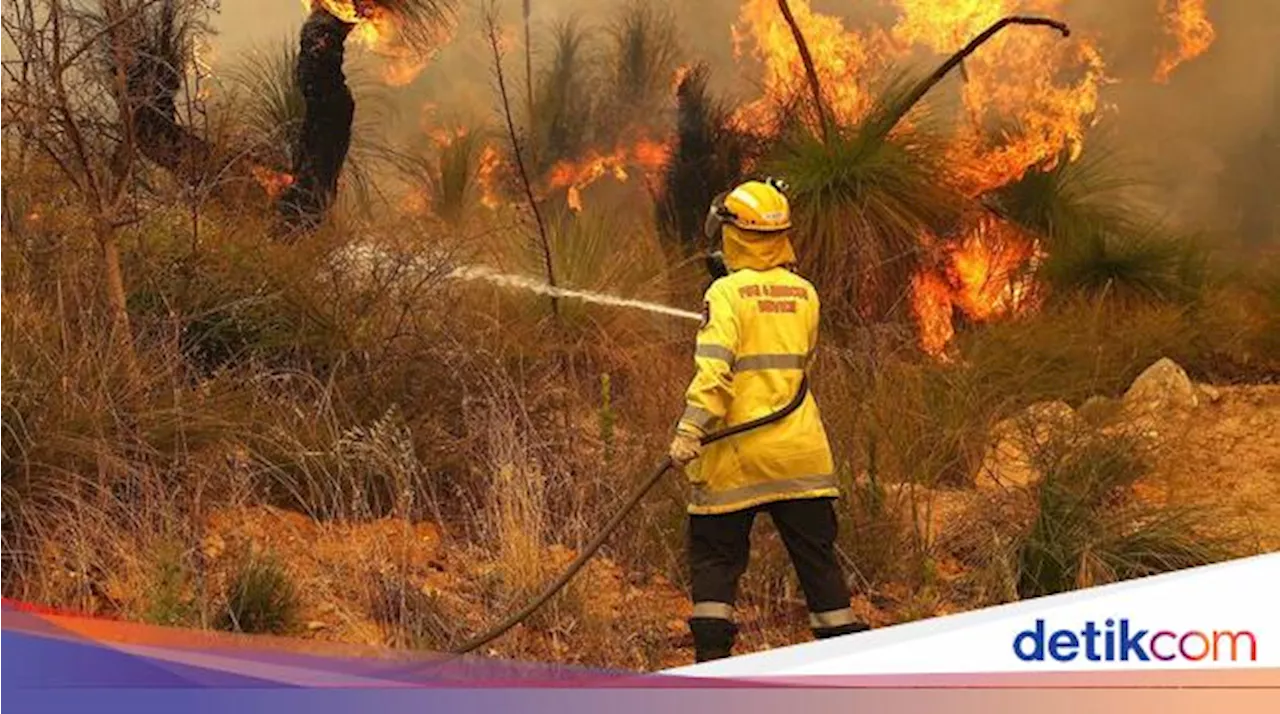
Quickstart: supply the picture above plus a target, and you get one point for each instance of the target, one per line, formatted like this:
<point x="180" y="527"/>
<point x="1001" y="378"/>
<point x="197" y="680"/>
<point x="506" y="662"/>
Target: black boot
<point x="824" y="633"/>
<point x="712" y="638"/>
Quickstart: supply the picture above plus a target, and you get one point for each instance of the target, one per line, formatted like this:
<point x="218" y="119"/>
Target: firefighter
<point x="758" y="334"/>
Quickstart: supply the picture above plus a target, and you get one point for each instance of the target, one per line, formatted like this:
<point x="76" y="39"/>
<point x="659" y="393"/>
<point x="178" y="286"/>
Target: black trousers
<point x="720" y="547"/>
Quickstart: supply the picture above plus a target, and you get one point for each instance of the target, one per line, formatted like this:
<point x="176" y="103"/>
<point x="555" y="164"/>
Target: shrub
<point x="411" y="616"/>
<point x="1088" y="531"/>
<point x="169" y="598"/>
<point x="260" y="597"/>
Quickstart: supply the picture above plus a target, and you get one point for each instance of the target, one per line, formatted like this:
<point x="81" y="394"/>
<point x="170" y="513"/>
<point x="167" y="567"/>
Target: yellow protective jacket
<point x="760" y="330"/>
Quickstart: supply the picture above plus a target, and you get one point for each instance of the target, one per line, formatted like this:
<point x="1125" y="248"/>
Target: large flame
<point x="1188" y="26"/>
<point x="843" y="60"/>
<point x="1028" y="98"/>
<point x="1027" y="95"/>
<point x="377" y="30"/>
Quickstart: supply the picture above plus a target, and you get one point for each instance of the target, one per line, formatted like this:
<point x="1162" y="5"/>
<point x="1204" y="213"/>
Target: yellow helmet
<point x="758" y="206"/>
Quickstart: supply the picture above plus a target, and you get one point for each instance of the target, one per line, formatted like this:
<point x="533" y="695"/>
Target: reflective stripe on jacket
<point x="760" y="330"/>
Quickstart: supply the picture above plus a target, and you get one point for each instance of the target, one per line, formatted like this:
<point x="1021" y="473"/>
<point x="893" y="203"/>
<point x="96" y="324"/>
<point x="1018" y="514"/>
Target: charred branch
<point x="895" y="115"/>
<point x="495" y="45"/>
<point x="810" y="72"/>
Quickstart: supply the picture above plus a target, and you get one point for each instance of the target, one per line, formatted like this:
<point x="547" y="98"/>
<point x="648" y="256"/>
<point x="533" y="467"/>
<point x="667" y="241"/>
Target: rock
<point x="1013" y="442"/>
<point x="1211" y="394"/>
<point x="1164" y="387"/>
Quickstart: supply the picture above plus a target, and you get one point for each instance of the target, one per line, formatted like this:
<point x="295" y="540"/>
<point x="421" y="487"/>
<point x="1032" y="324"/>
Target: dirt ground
<point x="1223" y="455"/>
<point x="1226" y="456"/>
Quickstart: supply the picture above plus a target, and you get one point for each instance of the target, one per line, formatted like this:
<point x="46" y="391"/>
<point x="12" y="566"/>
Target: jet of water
<point x="367" y="256"/>
<point x="522" y="282"/>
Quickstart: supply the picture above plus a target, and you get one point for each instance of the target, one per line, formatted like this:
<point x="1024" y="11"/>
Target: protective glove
<point x="684" y="448"/>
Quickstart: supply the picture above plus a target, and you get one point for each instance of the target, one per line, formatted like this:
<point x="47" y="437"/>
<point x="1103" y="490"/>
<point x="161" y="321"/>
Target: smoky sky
<point x="1192" y="138"/>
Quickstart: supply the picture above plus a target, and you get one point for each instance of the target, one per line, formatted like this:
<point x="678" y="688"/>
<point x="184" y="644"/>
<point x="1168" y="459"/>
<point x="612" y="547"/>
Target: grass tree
<point x="708" y="157"/>
<point x="274" y="113"/>
<point x="564" y="104"/>
<point x="644" y="52"/>
<point x="861" y="201"/>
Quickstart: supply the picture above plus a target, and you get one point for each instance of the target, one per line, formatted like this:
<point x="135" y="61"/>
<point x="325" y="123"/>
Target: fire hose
<point x="620" y="515"/>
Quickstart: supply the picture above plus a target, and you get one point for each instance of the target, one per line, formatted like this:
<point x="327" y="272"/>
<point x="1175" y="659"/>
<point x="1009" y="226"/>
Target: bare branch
<point x="491" y="30"/>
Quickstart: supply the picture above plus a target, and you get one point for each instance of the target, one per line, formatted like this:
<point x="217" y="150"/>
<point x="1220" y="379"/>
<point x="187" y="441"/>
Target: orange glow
<point x="1188" y="26"/>
<point x="486" y="176"/>
<point x="646" y="155"/>
<point x="985" y="276"/>
<point x="931" y="301"/>
<point x="378" y="30"/>
<point x="1028" y="94"/>
<point x="843" y="60"/>
<point x="273" y="182"/>
<point x="677" y="77"/>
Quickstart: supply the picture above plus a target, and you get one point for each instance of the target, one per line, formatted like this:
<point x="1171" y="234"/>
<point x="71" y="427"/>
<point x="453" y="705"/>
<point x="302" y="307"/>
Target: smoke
<point x="1206" y="140"/>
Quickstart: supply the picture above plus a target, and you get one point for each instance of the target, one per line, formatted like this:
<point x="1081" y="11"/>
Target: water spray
<point x="522" y="282"/>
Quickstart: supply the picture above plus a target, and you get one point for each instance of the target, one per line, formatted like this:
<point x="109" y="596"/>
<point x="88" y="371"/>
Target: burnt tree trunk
<point x="325" y="136"/>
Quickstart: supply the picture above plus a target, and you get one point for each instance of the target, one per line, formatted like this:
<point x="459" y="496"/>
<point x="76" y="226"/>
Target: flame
<point x="378" y="30"/>
<point x="984" y="276"/>
<point x="646" y="155"/>
<point x="273" y="182"/>
<point x="486" y="177"/>
<point x="842" y="59"/>
<point x="1187" y="23"/>
<point x="931" y="301"/>
<point x="1028" y="95"/>
<point x="678" y="77"/>
<point x="989" y="270"/>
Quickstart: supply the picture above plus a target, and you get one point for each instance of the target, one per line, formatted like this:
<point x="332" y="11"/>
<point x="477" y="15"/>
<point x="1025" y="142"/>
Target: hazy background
<point x="1207" y="140"/>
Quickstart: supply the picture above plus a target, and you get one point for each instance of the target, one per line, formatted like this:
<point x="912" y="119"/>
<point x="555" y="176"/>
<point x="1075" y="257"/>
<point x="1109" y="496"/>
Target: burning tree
<point x="405" y="29"/>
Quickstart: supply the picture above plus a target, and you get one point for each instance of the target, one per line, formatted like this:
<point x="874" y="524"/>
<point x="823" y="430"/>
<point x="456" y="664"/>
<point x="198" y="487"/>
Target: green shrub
<point x="1089" y="531"/>
<point x="169" y="599"/>
<point x="261" y="597"/>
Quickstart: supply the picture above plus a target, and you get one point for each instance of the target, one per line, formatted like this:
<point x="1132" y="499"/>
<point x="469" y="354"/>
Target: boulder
<point x="1163" y="388"/>
<point x="1014" y="441"/>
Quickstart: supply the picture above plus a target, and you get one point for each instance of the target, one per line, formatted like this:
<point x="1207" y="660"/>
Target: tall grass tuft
<point x="643" y="52"/>
<point x="564" y="100"/>
<point x="1089" y="530"/>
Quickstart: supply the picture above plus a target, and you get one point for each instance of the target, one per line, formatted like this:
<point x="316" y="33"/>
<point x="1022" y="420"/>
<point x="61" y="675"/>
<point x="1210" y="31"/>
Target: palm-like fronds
<point x="860" y="204"/>
<point x="449" y="175"/>
<point x="1134" y="263"/>
<point x="563" y="103"/>
<point x="419" y="22"/>
<point x="1096" y="243"/>
<point x="273" y="109"/>
<point x="644" y="54"/>
<point x="1068" y="199"/>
